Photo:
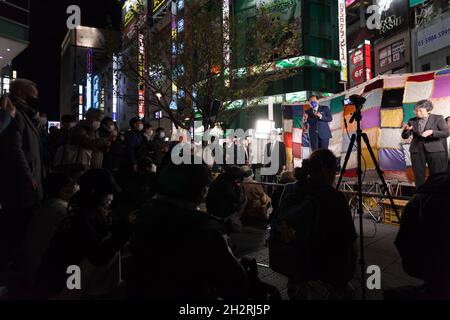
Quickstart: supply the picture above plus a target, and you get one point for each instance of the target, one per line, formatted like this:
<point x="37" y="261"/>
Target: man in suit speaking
<point x="318" y="118"/>
<point x="428" y="146"/>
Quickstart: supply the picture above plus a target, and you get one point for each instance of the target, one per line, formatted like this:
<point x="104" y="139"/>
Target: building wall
<point x="403" y="64"/>
<point x="439" y="58"/>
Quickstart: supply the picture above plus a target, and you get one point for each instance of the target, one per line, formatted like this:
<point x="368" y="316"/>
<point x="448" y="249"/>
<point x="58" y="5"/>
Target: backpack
<point x="292" y="237"/>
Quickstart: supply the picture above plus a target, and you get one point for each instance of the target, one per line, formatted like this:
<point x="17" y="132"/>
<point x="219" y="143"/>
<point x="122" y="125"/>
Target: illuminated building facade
<point x="87" y="75"/>
<point x="14" y="37"/>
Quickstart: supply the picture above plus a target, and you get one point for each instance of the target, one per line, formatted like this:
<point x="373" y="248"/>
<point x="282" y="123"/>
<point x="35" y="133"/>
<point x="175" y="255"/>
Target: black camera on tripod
<point x="354" y="100"/>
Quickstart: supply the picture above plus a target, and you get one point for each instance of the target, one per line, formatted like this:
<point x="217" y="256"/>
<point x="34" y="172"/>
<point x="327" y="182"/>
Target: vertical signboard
<point x="89" y="80"/>
<point x="360" y="64"/>
<point x="115" y="86"/>
<point x="96" y="92"/>
<point x="342" y="39"/>
<point x="141" y="75"/>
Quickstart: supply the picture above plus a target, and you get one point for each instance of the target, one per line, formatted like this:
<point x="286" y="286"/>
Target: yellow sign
<point x="157" y="4"/>
<point x="130" y="9"/>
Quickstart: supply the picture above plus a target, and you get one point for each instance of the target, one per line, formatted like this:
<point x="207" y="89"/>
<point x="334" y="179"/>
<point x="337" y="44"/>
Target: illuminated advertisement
<point x="394" y="16"/>
<point x="360" y="64"/>
<point x="96" y="93"/>
<point x="89" y="80"/>
<point x="129" y="10"/>
<point x="348" y="3"/>
<point x="115" y="86"/>
<point x="141" y="76"/>
<point x="80" y="102"/>
<point x="158" y="4"/>
<point x="282" y="13"/>
<point x="342" y="39"/>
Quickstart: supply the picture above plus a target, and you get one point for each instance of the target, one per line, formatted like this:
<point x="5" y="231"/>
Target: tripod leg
<point x="347" y="157"/>
<point x="380" y="174"/>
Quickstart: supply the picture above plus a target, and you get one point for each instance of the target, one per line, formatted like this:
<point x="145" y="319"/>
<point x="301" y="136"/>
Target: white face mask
<point x="162" y="134"/>
<point x="140" y="127"/>
<point x="72" y="124"/>
<point x="112" y="128"/>
<point x="95" y="125"/>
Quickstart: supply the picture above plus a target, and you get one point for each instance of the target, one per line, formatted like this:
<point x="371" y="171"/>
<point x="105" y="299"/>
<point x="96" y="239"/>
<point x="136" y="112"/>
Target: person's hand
<point x="408" y="127"/>
<point x="318" y="114"/>
<point x="427" y="133"/>
<point x="8" y="106"/>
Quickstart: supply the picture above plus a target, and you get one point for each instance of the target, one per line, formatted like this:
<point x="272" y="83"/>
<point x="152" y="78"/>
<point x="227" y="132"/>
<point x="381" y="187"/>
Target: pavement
<point x="379" y="250"/>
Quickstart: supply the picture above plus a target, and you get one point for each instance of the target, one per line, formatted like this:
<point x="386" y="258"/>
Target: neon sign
<point x="141" y="80"/>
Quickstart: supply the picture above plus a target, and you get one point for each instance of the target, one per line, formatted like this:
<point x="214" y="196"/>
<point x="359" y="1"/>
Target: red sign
<point x="360" y="64"/>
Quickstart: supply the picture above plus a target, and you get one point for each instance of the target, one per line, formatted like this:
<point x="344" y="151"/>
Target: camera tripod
<point x="357" y="138"/>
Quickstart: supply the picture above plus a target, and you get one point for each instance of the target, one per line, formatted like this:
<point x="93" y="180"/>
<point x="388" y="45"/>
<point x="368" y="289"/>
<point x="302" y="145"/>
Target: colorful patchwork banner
<point x="392" y="118"/>
<point x="390" y="102"/>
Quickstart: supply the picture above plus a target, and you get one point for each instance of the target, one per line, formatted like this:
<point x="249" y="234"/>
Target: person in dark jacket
<point x="134" y="141"/>
<point x="149" y="148"/>
<point x="318" y="119"/>
<point x="22" y="170"/>
<point x="226" y="197"/>
<point x="178" y="251"/>
<point x="88" y="238"/>
<point x="160" y="145"/>
<point x="332" y="259"/>
<point x="428" y="146"/>
<point x="423" y="240"/>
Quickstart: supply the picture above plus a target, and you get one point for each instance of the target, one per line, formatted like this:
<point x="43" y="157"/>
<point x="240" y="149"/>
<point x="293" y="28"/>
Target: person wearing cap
<point x="87" y="238"/>
<point x="134" y="141"/>
<point x="178" y="251"/>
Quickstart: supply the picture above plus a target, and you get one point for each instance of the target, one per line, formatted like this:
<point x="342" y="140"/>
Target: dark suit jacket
<point x="320" y="126"/>
<point x="281" y="155"/>
<point x="434" y="143"/>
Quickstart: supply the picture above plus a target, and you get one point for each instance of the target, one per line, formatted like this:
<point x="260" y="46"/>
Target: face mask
<point x="153" y="170"/>
<point x="33" y="102"/>
<point x="162" y="135"/>
<point x="43" y="121"/>
<point x="76" y="188"/>
<point x="111" y="128"/>
<point x="95" y="125"/>
<point x="140" y="127"/>
<point x="72" y="124"/>
<point x="314" y="104"/>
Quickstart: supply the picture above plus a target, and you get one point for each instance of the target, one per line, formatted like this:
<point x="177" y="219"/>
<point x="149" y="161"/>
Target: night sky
<point x="40" y="61"/>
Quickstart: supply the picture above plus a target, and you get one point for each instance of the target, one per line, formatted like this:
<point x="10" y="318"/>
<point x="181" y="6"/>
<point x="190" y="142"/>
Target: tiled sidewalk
<point x="379" y="250"/>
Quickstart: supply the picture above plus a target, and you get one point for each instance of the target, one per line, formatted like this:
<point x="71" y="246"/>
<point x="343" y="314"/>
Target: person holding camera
<point x="428" y="145"/>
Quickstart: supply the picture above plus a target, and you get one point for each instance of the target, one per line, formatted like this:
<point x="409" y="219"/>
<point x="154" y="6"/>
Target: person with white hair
<point x="21" y="166"/>
<point x="428" y="146"/>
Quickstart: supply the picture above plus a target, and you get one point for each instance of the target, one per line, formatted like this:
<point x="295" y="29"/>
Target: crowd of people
<point x="138" y="226"/>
